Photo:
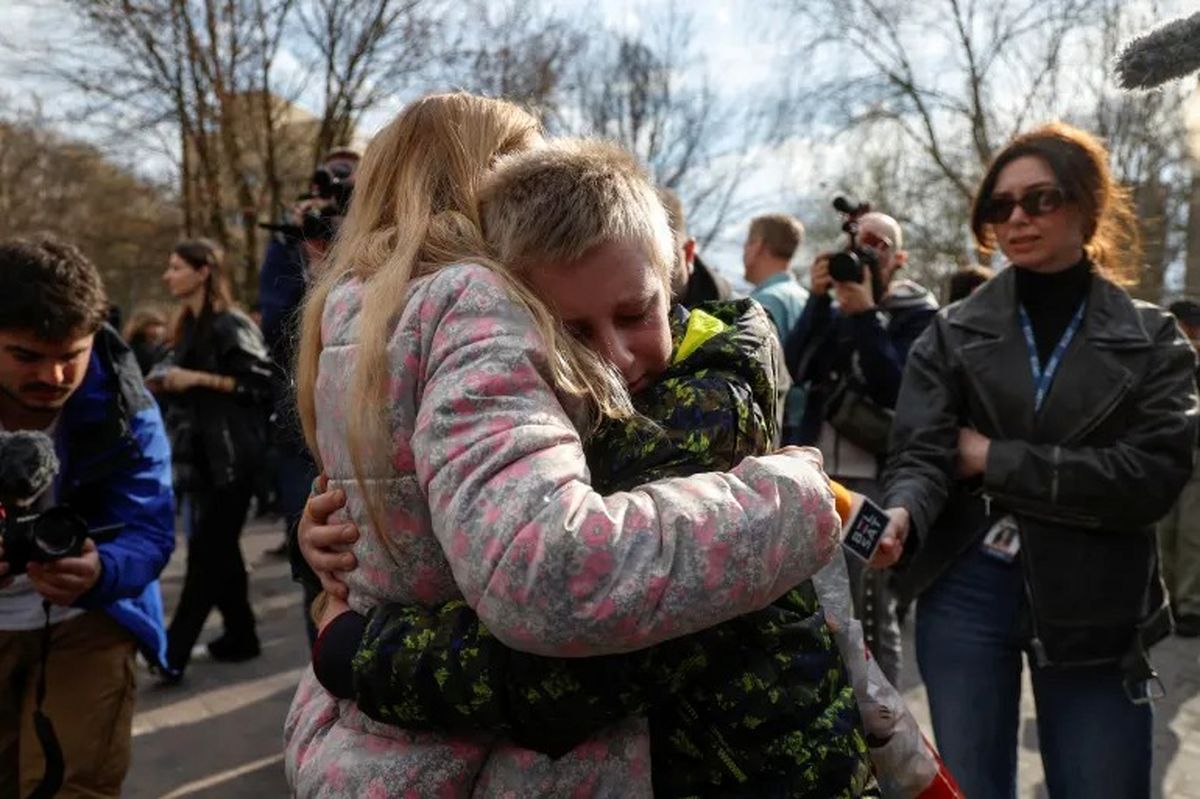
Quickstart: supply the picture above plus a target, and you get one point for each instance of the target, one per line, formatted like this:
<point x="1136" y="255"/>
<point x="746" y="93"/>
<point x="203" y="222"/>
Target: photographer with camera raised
<point x="294" y="248"/>
<point x="283" y="281"/>
<point x="72" y="614"/>
<point x="848" y="352"/>
<point x="285" y="268"/>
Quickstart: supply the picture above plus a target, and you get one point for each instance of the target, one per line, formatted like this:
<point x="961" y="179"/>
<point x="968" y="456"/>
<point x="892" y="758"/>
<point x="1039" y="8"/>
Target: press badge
<point x="1003" y="540"/>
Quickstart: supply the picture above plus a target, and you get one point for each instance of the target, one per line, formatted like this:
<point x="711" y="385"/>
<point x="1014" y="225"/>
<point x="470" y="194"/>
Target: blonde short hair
<point x="554" y="204"/>
<point x="781" y="234"/>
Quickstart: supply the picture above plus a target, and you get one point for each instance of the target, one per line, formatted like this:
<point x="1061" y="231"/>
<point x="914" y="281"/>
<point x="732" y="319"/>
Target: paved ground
<point x="217" y="735"/>
<point x="1176" y="722"/>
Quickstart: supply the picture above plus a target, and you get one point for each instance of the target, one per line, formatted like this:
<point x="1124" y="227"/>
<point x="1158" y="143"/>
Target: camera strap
<point x="52" y="777"/>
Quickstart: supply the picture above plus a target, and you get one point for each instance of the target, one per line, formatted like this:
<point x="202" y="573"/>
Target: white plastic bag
<point x="904" y="763"/>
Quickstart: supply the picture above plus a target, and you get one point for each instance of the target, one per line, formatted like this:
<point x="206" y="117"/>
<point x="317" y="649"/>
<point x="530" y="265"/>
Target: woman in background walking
<point x="219" y="384"/>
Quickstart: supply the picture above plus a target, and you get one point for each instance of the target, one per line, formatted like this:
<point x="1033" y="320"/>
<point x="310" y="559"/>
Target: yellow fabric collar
<point x="701" y="327"/>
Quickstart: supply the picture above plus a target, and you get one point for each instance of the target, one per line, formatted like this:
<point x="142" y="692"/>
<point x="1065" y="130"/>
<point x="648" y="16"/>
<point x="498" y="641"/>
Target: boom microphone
<point x="1166" y="53"/>
<point x="27" y="465"/>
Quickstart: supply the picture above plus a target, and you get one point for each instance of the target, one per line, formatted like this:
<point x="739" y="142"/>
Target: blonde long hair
<point x="414" y="211"/>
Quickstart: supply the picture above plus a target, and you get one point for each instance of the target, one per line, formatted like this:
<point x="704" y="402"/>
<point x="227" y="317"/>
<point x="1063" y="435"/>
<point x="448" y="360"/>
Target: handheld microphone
<point x="28" y="464"/>
<point x="863" y="522"/>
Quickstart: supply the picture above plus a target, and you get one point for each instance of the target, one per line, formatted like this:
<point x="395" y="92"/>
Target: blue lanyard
<point x="1043" y="377"/>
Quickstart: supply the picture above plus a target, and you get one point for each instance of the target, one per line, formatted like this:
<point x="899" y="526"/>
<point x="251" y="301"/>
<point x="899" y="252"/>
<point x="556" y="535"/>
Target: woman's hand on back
<point x="322" y="544"/>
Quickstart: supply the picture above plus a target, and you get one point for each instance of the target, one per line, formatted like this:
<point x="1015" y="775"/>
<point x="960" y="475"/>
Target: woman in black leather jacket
<point x="1044" y="425"/>
<point x="220" y="390"/>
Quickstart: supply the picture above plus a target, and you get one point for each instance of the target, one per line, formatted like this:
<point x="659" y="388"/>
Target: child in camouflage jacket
<point x="759" y="705"/>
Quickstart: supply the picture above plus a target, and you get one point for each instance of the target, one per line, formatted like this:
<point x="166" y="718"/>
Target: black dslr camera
<point x="333" y="185"/>
<point x="320" y="221"/>
<point x="41" y="537"/>
<point x="28" y="465"/>
<point x="320" y="224"/>
<point x="847" y="266"/>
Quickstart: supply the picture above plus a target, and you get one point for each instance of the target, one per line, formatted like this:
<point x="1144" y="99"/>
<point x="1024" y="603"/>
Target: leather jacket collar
<point x="1091" y="381"/>
<point x="1111" y="317"/>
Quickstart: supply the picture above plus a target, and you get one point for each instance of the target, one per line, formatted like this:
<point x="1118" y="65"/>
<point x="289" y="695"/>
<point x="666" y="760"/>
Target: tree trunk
<point x="249" y="287"/>
<point x="185" y="179"/>
<point x="274" y="185"/>
<point x="1150" y="199"/>
<point x="211" y="192"/>
<point x="245" y="282"/>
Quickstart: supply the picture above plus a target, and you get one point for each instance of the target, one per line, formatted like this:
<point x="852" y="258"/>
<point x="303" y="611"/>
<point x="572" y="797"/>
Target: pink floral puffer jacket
<point x="488" y="499"/>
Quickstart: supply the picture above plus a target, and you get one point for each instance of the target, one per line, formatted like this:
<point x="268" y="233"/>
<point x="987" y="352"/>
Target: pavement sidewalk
<point x="218" y="735"/>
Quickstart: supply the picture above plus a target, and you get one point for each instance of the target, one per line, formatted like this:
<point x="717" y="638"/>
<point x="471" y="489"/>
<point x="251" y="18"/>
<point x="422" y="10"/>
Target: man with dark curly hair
<point x="76" y="622"/>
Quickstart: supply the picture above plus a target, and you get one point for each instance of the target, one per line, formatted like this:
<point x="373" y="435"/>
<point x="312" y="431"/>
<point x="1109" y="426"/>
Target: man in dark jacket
<point x="693" y="282"/>
<point x="283" y="277"/>
<point x="64" y="372"/>
<point x="850" y="359"/>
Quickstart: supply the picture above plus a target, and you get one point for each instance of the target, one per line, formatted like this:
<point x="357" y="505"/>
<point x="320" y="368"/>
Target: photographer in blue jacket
<point x="69" y="627"/>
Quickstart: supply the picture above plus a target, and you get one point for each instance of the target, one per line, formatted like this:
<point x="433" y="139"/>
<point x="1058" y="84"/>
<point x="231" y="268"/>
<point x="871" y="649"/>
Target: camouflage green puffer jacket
<point x="757" y="706"/>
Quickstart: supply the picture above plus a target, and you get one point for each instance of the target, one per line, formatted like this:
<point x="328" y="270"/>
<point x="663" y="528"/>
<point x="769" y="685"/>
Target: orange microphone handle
<point x="843" y="499"/>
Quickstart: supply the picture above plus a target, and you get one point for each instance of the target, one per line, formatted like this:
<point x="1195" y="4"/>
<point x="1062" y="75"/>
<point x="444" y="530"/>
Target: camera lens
<point x="846" y="267"/>
<point x="58" y="533"/>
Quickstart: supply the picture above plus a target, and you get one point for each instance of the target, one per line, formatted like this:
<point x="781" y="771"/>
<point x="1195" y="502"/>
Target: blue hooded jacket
<point x="116" y="469"/>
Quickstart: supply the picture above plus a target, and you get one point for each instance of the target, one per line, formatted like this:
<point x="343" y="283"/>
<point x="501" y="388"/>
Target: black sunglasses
<point x="997" y="210"/>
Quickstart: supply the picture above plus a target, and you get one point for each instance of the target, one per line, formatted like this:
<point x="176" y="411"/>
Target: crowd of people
<point x="566" y="512"/>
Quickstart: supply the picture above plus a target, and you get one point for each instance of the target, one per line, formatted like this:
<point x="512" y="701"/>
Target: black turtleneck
<point x="1051" y="301"/>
